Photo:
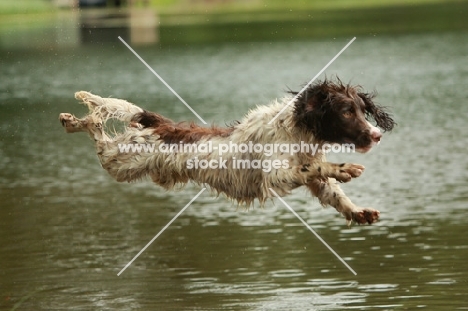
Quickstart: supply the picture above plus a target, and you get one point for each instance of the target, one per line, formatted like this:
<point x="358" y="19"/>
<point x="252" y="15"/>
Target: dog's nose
<point x="376" y="135"/>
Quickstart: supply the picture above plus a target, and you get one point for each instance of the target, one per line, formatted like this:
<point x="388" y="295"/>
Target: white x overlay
<point x="162" y="230"/>
<point x="313" y="231"/>
<point x="313" y="79"/>
<point x="203" y="189"/>
<point x="162" y="80"/>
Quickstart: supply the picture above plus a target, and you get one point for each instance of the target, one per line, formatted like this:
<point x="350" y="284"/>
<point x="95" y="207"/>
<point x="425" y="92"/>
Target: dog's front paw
<point x="364" y="215"/>
<point x="347" y="171"/>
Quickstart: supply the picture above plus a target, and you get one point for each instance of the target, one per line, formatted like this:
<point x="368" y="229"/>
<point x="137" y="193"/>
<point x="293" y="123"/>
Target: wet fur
<point x="327" y="111"/>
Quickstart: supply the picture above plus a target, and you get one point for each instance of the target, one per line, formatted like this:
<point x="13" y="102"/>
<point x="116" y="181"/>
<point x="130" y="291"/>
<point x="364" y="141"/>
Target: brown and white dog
<point x="327" y="112"/>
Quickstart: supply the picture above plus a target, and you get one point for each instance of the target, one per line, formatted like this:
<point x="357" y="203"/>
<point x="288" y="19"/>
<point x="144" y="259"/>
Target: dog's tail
<point x="103" y="109"/>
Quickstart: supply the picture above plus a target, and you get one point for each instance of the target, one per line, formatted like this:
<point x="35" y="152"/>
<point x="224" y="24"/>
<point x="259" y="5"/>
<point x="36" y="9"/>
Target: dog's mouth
<point x="364" y="149"/>
<point x="368" y="147"/>
<point x="369" y="139"/>
<point x="365" y="142"/>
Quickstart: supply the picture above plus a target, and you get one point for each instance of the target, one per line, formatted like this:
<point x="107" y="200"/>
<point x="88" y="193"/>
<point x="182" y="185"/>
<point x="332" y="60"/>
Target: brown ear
<point x="378" y="113"/>
<point x="311" y="105"/>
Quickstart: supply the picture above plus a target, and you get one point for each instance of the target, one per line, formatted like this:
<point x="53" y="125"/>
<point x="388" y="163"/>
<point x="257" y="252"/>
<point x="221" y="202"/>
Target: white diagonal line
<point x="312" y="230"/>
<point x="313" y="79"/>
<point x="162" y="230"/>
<point x="162" y="80"/>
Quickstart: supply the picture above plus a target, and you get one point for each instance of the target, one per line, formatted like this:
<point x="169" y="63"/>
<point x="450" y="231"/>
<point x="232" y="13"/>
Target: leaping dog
<point x="326" y="113"/>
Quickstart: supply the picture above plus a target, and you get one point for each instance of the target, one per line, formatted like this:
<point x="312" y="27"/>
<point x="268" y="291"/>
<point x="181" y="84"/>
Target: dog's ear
<point x="318" y="94"/>
<point x="315" y="95"/>
<point x="378" y="113"/>
<point x="312" y="105"/>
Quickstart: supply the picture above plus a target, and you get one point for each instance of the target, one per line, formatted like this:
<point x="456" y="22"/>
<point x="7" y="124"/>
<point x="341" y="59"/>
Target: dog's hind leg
<point x="73" y="124"/>
<point x="102" y="109"/>
<point x="123" y="165"/>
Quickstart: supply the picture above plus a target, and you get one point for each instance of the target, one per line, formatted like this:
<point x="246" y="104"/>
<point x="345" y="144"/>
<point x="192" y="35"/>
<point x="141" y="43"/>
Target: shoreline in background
<point x="244" y="23"/>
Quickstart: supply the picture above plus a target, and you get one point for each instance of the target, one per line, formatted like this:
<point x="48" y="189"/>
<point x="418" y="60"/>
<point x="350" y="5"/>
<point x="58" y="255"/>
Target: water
<point x="67" y="229"/>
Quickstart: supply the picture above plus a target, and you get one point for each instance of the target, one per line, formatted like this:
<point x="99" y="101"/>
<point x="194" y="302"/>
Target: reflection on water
<point x="66" y="228"/>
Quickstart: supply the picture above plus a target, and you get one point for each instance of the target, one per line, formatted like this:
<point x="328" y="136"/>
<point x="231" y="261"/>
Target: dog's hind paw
<point x="82" y="95"/>
<point x="71" y="123"/>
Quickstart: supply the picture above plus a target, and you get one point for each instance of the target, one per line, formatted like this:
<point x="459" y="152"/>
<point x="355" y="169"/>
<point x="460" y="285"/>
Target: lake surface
<point x="67" y="228"/>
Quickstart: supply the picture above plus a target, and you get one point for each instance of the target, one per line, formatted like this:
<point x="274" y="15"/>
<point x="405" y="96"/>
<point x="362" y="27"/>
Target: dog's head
<point x="338" y="113"/>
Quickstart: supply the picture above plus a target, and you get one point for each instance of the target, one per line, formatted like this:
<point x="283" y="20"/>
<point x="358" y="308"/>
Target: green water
<point x="67" y="229"/>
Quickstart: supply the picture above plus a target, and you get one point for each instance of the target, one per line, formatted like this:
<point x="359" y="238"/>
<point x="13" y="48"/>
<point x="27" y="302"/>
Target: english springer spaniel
<point x="326" y="114"/>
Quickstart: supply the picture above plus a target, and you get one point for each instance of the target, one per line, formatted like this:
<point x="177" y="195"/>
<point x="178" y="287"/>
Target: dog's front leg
<point x="283" y="181"/>
<point x="342" y="172"/>
<point x="329" y="192"/>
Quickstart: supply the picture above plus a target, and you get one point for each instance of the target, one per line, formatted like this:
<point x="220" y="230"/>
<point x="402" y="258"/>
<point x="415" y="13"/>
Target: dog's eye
<point x="348" y="114"/>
